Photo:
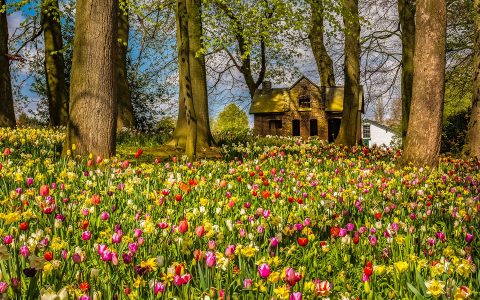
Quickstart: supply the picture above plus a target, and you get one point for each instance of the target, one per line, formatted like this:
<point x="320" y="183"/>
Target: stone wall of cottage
<point x="263" y="124"/>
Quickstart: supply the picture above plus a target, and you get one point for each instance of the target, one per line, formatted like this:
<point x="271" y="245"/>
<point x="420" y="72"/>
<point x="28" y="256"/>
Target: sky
<point x="305" y="65"/>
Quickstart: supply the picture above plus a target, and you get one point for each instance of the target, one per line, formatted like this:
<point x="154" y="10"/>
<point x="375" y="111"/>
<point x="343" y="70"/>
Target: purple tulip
<point x="469" y="237"/>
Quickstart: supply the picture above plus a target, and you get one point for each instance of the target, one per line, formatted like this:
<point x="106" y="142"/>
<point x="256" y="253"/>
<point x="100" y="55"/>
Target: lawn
<point x="272" y="219"/>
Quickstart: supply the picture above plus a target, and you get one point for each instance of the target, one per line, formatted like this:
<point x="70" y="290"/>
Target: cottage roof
<point x="277" y="100"/>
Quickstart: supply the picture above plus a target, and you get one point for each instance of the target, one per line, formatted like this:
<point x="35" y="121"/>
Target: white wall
<point x="379" y="136"/>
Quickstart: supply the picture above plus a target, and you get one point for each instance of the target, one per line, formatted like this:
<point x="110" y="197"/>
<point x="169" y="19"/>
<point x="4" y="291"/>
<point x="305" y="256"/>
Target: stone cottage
<point x="304" y="109"/>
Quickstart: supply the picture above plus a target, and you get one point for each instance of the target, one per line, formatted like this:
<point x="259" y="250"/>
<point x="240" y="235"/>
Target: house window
<point x="313" y="127"/>
<point x="275" y="124"/>
<point x="296" y="127"/>
<point x="366" y="131"/>
<point x="304" y="101"/>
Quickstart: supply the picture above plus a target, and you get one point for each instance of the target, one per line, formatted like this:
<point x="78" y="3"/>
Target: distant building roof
<point x="385" y="127"/>
<point x="277" y="100"/>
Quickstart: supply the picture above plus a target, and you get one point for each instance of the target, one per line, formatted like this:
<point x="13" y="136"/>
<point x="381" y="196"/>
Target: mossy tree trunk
<point x="422" y="144"/>
<point x="7" y="114"/>
<point x="93" y="107"/>
<point x="125" y="115"/>
<point x="198" y="73"/>
<point x="54" y="63"/>
<point x="406" y="12"/>
<point x="348" y="133"/>
<point x="193" y="129"/>
<point x="473" y="142"/>
<point x="316" y="37"/>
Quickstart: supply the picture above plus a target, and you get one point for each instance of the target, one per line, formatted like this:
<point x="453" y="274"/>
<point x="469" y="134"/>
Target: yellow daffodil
<point x="435" y="288"/>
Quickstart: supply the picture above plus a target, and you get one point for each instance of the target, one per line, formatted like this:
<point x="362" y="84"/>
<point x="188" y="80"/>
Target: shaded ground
<point x="150" y="153"/>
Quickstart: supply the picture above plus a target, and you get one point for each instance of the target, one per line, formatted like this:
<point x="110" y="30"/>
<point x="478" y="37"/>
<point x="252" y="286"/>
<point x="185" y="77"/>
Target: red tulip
<point x="139" y="152"/>
<point x="183" y="226"/>
<point x="302" y="241"/>
<point x="178" y="198"/>
<point x="44" y="190"/>
<point x="48" y="255"/>
<point x="356" y="239"/>
<point x="23" y="226"/>
<point x="84" y="286"/>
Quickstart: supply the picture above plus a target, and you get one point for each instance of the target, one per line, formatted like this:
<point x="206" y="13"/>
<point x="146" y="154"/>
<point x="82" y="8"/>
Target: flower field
<point x="292" y="221"/>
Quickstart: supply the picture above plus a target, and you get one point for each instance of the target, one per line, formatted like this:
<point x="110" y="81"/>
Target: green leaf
<point x="415" y="291"/>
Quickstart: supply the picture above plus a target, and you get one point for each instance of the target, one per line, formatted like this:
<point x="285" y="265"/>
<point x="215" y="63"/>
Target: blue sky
<point x="305" y="65"/>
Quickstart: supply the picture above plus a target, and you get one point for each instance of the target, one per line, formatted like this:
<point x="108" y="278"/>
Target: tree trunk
<point x="323" y="60"/>
<point x="473" y="142"/>
<point x="93" y="107"/>
<point x="125" y="116"/>
<point x="185" y="80"/>
<point x="406" y="12"/>
<point x="198" y="73"/>
<point x="193" y="126"/>
<point x="350" y="116"/>
<point x="422" y="144"/>
<point x="7" y="114"/>
<point x="54" y="63"/>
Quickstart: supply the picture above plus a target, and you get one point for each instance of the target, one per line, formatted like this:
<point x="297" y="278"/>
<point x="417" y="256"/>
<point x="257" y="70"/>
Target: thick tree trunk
<point x="473" y="142"/>
<point x="54" y="63"/>
<point x="406" y="12"/>
<point x="323" y="60"/>
<point x="185" y="80"/>
<point x="7" y="114"/>
<point x="125" y="116"/>
<point x="93" y="107"/>
<point x="198" y="73"/>
<point x="348" y="133"/>
<point x="179" y="136"/>
<point x="193" y="126"/>
<point x="422" y="144"/>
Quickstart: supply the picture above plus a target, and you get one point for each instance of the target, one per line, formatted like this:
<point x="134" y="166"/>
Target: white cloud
<point x="14" y="20"/>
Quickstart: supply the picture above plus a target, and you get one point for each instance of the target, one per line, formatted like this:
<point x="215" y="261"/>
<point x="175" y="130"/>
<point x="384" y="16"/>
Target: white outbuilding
<point x="374" y="133"/>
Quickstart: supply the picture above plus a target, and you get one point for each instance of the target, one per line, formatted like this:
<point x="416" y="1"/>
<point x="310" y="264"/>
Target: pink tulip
<point x="296" y="296"/>
<point x="86" y="235"/>
<point x="177" y="280"/>
<point x="211" y="244"/>
<point x="159" y="287"/>
<point x="101" y="248"/>
<point x="7" y="240"/>
<point x="273" y="242"/>
<point x="230" y="250"/>
<point x="264" y="270"/>
<point x="117" y="238"/>
<point x="105" y="216"/>
<point x="247" y="283"/>
<point x="137" y="232"/>
<point x="3" y="287"/>
<point x="211" y="259"/>
<point x="200" y="231"/>
<point x="24" y="251"/>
